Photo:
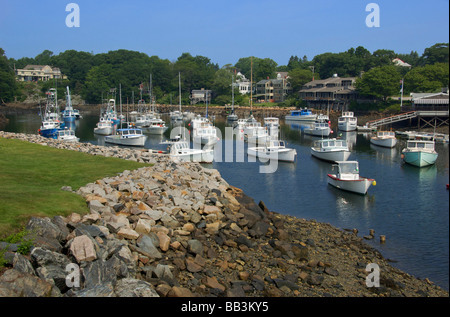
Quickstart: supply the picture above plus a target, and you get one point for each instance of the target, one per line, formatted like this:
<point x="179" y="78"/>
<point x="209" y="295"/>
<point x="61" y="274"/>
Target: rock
<point x="145" y="243"/>
<point x="213" y="283"/>
<point x="180" y="292"/>
<point x="143" y="226"/>
<point x="130" y="287"/>
<point x="314" y="279"/>
<point x="101" y="290"/>
<point x="127" y="233"/>
<point x="192" y="266"/>
<point x="195" y="246"/>
<point x="45" y="228"/>
<point x="82" y="248"/>
<point x="22" y="264"/>
<point x="331" y="271"/>
<point x="164" y="241"/>
<point x="19" y="284"/>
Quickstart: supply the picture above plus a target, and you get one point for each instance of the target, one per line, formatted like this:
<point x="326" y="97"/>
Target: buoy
<point x="372" y="232"/>
<point x="382" y="239"/>
<point x="374" y="183"/>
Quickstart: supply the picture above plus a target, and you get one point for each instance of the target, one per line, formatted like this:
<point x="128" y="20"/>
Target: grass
<point x="31" y="177"/>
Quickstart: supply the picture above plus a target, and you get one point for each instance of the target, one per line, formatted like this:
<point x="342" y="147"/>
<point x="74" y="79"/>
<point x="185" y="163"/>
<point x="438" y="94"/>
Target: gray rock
<point x="45" y="228"/>
<point x="145" y="243"/>
<point x="129" y="287"/>
<point x="195" y="247"/>
<point x="101" y="290"/>
<point x="14" y="284"/>
<point x="22" y="264"/>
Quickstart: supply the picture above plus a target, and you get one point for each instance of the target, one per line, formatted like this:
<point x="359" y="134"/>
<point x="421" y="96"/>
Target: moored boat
<point x="301" y="115"/>
<point x="128" y="137"/>
<point x="347" y="178"/>
<point x="67" y="135"/>
<point x="419" y="153"/>
<point x="384" y="138"/>
<point x="104" y="127"/>
<point x="319" y="129"/>
<point x="180" y="151"/>
<point x="332" y="150"/>
<point x="273" y="150"/>
<point x="347" y="121"/>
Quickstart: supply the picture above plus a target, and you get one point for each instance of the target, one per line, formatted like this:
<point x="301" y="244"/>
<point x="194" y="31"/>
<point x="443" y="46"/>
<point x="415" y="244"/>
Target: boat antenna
<point x="251" y="85"/>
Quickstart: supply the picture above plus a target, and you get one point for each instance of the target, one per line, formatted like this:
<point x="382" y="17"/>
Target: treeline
<point x="93" y="75"/>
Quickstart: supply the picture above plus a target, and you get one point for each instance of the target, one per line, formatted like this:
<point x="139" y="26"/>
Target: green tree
<point x="299" y="77"/>
<point x="262" y="68"/>
<point x="8" y="86"/>
<point x="428" y="78"/>
<point x="380" y="82"/>
<point x="44" y="58"/>
<point x="438" y="53"/>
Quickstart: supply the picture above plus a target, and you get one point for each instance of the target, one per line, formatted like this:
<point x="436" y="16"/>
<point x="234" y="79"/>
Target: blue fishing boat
<point x="51" y="121"/>
<point x="301" y="115"/>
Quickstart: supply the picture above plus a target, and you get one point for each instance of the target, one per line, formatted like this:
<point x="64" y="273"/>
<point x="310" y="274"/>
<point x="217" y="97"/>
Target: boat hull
<point x="156" y="130"/>
<point x="285" y="155"/>
<point x="347" y="126"/>
<point x="420" y="159"/>
<point x="127" y="141"/>
<point x="318" y="132"/>
<point x="204" y="156"/>
<point x="301" y="118"/>
<point x="331" y="156"/>
<point x="359" y="186"/>
<point x="390" y="143"/>
<point x="103" y="131"/>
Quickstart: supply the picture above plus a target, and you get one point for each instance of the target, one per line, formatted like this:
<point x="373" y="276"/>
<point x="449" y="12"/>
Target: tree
<point x="299" y="77"/>
<point x="262" y="68"/>
<point x="438" y="53"/>
<point x="380" y="82"/>
<point x="44" y="58"/>
<point x="8" y="86"/>
<point x="428" y="78"/>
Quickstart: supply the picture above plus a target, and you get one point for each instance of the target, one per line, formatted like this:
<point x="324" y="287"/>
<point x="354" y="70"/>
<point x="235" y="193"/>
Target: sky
<point x="222" y="30"/>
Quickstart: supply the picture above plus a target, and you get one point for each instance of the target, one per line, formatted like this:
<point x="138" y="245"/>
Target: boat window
<point x="349" y="168"/>
<point x="332" y="143"/>
<point x="421" y="145"/>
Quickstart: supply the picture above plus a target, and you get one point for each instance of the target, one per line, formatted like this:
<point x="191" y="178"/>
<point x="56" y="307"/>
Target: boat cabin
<point x="420" y="145"/>
<point x="129" y="132"/>
<point x="325" y="145"/>
<point x="347" y="170"/>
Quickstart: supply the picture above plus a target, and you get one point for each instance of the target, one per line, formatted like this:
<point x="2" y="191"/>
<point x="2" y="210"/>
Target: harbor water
<point x="408" y="205"/>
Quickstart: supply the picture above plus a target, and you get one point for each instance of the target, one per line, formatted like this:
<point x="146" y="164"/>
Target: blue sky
<point x="222" y="30"/>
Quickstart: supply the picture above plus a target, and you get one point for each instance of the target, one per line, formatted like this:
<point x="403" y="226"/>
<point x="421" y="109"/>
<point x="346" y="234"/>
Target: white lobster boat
<point x="384" y="138"/>
<point x="347" y="178"/>
<point x="273" y="150"/>
<point x="332" y="150"/>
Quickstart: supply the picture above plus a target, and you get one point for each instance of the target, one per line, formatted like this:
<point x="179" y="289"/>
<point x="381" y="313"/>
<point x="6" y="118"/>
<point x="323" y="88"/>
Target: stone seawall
<point x="181" y="230"/>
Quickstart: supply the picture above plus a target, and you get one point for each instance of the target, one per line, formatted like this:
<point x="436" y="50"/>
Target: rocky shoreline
<point x="180" y="230"/>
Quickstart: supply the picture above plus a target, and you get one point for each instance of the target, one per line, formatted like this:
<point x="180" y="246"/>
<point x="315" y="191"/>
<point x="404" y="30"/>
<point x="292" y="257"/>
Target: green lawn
<point x="31" y="177"/>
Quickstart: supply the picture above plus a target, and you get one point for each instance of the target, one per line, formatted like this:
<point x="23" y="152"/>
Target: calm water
<point x="409" y="205"/>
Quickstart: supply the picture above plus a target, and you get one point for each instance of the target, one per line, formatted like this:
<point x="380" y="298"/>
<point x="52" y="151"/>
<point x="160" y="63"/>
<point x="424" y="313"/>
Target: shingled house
<point x="335" y="93"/>
<point x="39" y="73"/>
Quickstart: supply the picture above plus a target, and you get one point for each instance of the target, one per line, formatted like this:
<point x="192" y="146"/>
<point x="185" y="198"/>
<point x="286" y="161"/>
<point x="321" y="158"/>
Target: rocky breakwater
<point x="181" y="230"/>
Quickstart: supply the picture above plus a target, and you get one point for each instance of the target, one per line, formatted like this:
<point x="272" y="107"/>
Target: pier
<point x="427" y="118"/>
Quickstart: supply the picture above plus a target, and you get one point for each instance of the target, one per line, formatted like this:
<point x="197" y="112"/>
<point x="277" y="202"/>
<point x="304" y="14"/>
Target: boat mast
<point x="232" y="94"/>
<point x="251" y="85"/>
<point x="179" y="87"/>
